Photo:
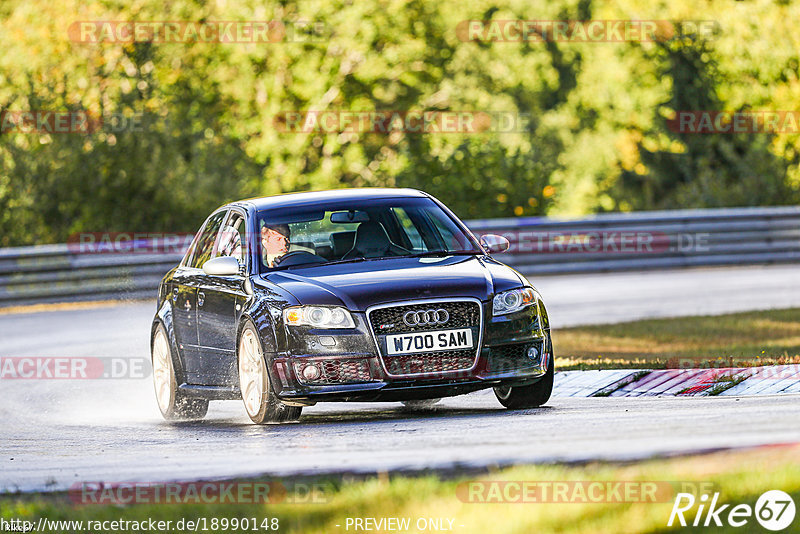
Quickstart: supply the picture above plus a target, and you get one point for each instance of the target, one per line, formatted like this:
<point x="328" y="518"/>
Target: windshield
<point x="358" y="231"/>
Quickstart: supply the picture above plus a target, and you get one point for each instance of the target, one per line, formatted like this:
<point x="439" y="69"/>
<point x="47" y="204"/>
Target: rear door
<point x="184" y="314"/>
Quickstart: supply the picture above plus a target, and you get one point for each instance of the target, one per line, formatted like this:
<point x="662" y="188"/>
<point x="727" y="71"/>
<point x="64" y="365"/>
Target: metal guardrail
<point x="652" y="240"/>
<point x="539" y="246"/>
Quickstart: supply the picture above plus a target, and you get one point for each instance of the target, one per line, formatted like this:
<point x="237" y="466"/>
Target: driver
<point x="274" y="242"/>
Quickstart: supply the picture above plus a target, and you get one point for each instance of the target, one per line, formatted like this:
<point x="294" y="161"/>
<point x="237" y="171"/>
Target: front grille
<point x="430" y="362"/>
<point x="462" y="314"/>
<point x="390" y="320"/>
<point x="512" y="357"/>
<point x="336" y="371"/>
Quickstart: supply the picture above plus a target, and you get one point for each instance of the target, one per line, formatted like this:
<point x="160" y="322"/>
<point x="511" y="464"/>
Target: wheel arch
<point x="265" y="328"/>
<point x="544" y="317"/>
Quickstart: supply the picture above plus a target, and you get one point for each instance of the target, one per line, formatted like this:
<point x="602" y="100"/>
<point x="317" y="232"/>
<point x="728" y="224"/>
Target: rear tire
<point x="174" y="404"/>
<point x="260" y="401"/>
<point x="533" y="395"/>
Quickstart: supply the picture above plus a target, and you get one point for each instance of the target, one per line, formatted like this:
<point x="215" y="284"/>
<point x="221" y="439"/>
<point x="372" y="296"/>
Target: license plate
<point x="429" y="341"/>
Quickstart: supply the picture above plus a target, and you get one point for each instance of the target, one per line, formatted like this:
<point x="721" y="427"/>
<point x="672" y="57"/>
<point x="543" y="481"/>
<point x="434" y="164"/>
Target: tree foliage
<point x="596" y="140"/>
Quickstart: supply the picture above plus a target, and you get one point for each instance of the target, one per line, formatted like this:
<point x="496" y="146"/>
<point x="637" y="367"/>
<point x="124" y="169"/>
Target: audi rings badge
<point x="426" y="317"/>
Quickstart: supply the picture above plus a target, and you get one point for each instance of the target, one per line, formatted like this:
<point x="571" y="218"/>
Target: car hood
<point x="363" y="284"/>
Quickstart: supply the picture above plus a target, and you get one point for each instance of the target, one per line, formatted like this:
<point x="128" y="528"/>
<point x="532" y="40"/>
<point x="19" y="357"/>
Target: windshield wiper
<point x="315" y="264"/>
<point x="351" y="260"/>
<point x="443" y="253"/>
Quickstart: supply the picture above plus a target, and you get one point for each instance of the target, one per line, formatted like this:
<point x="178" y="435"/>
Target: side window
<point x="410" y="230"/>
<point x="205" y="244"/>
<point x="230" y="239"/>
<point x="447" y="233"/>
<point x="187" y="258"/>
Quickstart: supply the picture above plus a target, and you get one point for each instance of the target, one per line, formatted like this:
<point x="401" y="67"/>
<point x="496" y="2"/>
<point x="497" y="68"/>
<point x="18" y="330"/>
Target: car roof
<point x="321" y="197"/>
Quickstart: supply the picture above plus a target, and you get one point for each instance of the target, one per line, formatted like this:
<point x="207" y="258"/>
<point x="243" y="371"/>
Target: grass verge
<point x="733" y="340"/>
<point x="739" y="477"/>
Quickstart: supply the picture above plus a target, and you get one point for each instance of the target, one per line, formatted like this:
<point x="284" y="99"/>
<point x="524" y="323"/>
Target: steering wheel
<point x="293" y="256"/>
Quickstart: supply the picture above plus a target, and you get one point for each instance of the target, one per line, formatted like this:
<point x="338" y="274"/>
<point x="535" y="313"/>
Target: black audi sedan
<point x="346" y="295"/>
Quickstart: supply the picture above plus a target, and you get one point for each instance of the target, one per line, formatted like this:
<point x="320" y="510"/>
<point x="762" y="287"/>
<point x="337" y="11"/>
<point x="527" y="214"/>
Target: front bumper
<point x="512" y="350"/>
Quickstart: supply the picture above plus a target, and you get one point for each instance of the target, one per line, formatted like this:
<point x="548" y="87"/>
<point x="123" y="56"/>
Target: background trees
<point x="597" y="139"/>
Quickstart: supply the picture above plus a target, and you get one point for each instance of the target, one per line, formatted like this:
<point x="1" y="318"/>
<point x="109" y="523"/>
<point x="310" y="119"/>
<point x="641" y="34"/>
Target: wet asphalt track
<point x="58" y="433"/>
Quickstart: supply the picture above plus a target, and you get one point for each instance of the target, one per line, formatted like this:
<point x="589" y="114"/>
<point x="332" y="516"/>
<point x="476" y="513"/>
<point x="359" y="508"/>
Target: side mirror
<point x="494" y="243"/>
<point x="222" y="266"/>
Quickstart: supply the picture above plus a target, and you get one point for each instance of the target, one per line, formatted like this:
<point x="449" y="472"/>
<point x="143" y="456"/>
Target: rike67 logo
<point x="774" y="510"/>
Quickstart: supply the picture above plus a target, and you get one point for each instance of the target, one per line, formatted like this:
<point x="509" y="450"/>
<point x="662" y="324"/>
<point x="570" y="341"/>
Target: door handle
<point x="201" y="297"/>
<point x="175" y="294"/>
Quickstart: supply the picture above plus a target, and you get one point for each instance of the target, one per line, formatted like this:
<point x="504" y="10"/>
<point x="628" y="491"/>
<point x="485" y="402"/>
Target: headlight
<point x="318" y="317"/>
<point x="514" y="300"/>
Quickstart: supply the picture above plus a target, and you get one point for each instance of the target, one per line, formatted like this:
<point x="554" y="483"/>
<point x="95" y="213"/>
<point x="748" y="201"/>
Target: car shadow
<point x="354" y="416"/>
<point x="406" y="414"/>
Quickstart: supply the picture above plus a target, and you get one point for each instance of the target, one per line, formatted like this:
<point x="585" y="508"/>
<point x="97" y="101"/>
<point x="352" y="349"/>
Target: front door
<point x="220" y="302"/>
<point x="186" y="299"/>
<point x="219" y="307"/>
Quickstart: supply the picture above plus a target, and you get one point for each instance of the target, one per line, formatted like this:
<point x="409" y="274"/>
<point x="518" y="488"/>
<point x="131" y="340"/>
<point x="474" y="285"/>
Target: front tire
<point x="174" y="404"/>
<point x="533" y="395"/>
<point x="260" y="401"/>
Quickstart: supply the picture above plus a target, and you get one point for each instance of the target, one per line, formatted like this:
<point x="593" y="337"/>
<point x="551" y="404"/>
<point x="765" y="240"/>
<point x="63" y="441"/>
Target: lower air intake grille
<point x="512" y="357"/>
<point x="336" y="371"/>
